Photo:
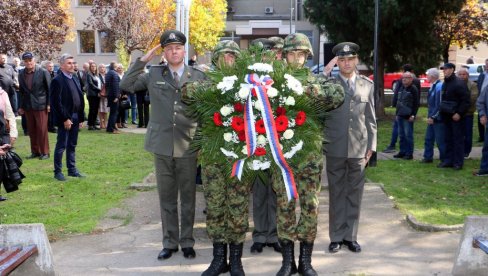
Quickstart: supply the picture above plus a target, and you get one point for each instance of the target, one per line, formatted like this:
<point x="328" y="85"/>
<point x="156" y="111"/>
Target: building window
<point x="85" y="2"/>
<point x="106" y="42"/>
<point x="87" y="42"/>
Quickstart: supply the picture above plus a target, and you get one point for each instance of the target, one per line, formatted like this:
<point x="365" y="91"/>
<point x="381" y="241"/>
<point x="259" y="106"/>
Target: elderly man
<point x="406" y="102"/>
<point x="8" y="81"/>
<point x="168" y="137"/>
<point x="34" y="84"/>
<point x="351" y="134"/>
<point x="454" y="104"/>
<point x="463" y="75"/>
<point x="482" y="106"/>
<point x="435" y="125"/>
<point x="482" y="82"/>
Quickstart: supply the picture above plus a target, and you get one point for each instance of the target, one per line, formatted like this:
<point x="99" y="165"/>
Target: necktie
<point x="350" y="86"/>
<point x="177" y="78"/>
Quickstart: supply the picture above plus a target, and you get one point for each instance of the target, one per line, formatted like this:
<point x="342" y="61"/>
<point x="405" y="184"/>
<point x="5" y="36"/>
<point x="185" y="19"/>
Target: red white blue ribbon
<point x="250" y="127"/>
<point x="260" y="86"/>
<point x="237" y="169"/>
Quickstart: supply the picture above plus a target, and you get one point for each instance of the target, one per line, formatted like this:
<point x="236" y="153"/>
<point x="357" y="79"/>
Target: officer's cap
<point x="448" y="65"/>
<point x="172" y="37"/>
<point x="27" y="55"/>
<point x="263" y="43"/>
<point x="345" y="49"/>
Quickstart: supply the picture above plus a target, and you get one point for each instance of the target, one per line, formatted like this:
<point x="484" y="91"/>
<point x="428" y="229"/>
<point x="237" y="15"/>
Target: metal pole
<point x="187" y="28"/>
<point x="178" y="15"/>
<point x="373" y="160"/>
<point x="291" y="15"/>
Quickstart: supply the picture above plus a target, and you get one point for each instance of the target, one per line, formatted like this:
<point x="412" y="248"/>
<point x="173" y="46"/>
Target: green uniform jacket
<point x="169" y="131"/>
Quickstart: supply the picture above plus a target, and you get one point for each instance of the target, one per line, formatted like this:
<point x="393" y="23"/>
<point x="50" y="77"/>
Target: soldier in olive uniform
<point x="296" y="49"/>
<point x="168" y="137"/>
<point x="227" y="198"/>
<point x="350" y="133"/>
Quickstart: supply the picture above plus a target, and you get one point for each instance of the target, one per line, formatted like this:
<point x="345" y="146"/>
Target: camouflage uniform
<point x="307" y="174"/>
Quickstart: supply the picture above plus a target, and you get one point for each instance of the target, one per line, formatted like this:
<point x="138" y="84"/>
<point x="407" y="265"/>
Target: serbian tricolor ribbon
<point x="237" y="169"/>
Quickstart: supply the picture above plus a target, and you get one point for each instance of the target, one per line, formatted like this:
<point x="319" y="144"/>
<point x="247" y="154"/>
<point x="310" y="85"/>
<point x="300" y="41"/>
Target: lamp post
<point x="187" y="5"/>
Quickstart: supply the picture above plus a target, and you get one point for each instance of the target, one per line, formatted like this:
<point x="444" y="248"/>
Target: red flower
<point x="241" y="135"/>
<point x="260" y="151"/>
<point x="237" y="124"/>
<point x="238" y="107"/>
<point x="281" y="123"/>
<point x="253" y="92"/>
<point x="217" y="119"/>
<point x="260" y="127"/>
<point x="280" y="111"/>
<point x="301" y="118"/>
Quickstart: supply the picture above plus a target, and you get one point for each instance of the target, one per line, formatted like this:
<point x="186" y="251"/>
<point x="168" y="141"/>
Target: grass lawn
<point x="111" y="163"/>
<point x="432" y="195"/>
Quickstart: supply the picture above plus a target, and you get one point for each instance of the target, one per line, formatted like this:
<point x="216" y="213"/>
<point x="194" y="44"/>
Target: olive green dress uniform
<point x="350" y="131"/>
<point x="168" y="137"/>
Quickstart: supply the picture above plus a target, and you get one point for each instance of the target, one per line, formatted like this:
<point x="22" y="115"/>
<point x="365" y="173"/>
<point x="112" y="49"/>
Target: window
<point x="107" y="44"/>
<point x="87" y="41"/>
<point x="85" y="2"/>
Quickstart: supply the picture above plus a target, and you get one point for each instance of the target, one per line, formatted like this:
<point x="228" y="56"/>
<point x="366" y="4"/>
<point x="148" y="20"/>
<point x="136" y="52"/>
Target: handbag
<point x="125" y="104"/>
<point x="448" y="107"/>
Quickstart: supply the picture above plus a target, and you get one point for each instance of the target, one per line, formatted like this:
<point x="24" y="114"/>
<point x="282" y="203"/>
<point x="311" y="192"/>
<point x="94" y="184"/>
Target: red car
<point x="390" y="78"/>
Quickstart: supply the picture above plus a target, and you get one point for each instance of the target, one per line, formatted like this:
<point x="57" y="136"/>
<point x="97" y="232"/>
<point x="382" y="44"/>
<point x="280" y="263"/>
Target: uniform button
<point x="176" y="102"/>
<point x="174" y="124"/>
<point x="175" y="113"/>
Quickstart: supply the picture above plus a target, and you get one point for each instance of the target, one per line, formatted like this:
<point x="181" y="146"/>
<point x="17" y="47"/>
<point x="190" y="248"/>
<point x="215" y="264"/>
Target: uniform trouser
<point x="227" y="205"/>
<point x="346" y="184"/>
<point x="264" y="212"/>
<point x="307" y="177"/>
<point x="173" y="175"/>
<point x="37" y="126"/>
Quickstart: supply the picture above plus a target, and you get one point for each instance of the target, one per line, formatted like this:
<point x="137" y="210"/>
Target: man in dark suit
<point x="168" y="137"/>
<point x="68" y="114"/>
<point x="112" y="86"/>
<point x="34" y="84"/>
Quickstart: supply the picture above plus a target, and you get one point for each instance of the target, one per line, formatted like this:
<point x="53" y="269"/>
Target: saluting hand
<point x="151" y="54"/>
<point x="328" y="68"/>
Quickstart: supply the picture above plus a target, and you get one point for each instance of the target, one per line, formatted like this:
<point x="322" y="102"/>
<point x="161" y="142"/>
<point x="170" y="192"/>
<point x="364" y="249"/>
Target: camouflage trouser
<point x="227" y="205"/>
<point x="307" y="178"/>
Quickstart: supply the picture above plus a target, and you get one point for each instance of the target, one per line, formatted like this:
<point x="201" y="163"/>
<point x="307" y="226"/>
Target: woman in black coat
<point x="94" y="86"/>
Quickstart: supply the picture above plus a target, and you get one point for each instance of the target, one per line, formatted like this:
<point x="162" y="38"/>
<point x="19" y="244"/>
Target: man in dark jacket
<point x="482" y="83"/>
<point x="406" y="102"/>
<point x="454" y="104"/>
<point x="8" y="81"/>
<point x="68" y="114"/>
<point x="112" y="82"/>
<point x="34" y="84"/>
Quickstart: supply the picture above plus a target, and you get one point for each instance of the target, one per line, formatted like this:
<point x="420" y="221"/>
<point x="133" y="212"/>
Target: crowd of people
<point x="451" y="105"/>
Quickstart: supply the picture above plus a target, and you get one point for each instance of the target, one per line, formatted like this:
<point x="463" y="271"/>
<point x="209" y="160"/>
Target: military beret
<point x="172" y="37"/>
<point x="263" y="43"/>
<point x="345" y="49"/>
<point x="448" y="65"/>
<point x="27" y="55"/>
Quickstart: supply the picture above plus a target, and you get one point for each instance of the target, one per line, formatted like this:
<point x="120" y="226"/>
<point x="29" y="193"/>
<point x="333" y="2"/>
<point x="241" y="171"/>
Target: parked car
<point x="319" y="68"/>
<point x="390" y="78"/>
<point x="474" y="70"/>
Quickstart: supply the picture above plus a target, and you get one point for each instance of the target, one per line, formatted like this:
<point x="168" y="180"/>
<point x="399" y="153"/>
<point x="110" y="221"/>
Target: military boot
<point x="305" y="259"/>
<point x="219" y="262"/>
<point x="235" y="254"/>
<point x="288" y="266"/>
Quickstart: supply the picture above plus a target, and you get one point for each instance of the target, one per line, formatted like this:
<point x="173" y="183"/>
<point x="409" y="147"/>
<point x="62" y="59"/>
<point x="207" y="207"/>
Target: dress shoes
<point x="257" y="247"/>
<point x="444" y="165"/>
<point x="44" y="156"/>
<point x="408" y="157"/>
<point x="276" y="246"/>
<point x="335" y="247"/>
<point x="399" y="155"/>
<point x="76" y="174"/>
<point x="353" y="246"/>
<point x="59" y="176"/>
<point x="426" y="161"/>
<point x="33" y="155"/>
<point x="188" y="252"/>
<point x="166" y="253"/>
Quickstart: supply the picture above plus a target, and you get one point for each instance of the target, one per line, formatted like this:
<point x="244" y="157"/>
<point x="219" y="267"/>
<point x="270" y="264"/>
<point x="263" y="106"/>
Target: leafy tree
<point x="466" y="28"/>
<point x="37" y="26"/>
<point x="406" y="30"/>
<point x="207" y="22"/>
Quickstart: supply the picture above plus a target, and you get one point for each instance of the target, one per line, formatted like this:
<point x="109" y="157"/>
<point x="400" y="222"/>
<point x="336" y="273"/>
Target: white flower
<point x="261" y="67"/>
<point x="229" y="153"/>
<point x="288" y="134"/>
<point x="293" y="150"/>
<point x="243" y="92"/>
<point x="258" y="105"/>
<point x="290" y="101"/>
<point x="228" y="136"/>
<point x="226" y="110"/>
<point x="272" y="92"/>
<point x="244" y="150"/>
<point x="227" y="83"/>
<point x="293" y="84"/>
<point x="261" y="141"/>
<point x="258" y="165"/>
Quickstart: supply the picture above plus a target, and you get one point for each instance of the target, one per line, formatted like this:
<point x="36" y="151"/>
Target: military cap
<point x="172" y="37"/>
<point x="278" y="42"/>
<point x="27" y="55"/>
<point x="346" y="49"/>
<point x="263" y="43"/>
<point x="448" y="65"/>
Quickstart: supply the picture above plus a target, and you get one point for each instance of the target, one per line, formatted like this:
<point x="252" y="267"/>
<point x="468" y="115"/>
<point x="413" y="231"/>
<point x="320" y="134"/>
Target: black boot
<point x="305" y="260"/>
<point x="288" y="266"/>
<point x="235" y="254"/>
<point x="219" y="262"/>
